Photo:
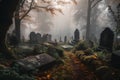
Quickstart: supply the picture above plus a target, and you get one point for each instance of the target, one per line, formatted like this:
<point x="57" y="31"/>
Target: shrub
<point x="60" y="52"/>
<point x="8" y="74"/>
<point x="79" y="54"/>
<point x="88" y="51"/>
<point x="55" y="52"/>
<point x="80" y="46"/>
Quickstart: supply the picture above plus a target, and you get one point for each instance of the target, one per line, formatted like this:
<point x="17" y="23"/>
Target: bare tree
<point x="116" y="16"/>
<point x="18" y="17"/>
<point x="21" y="12"/>
<point x="8" y="7"/>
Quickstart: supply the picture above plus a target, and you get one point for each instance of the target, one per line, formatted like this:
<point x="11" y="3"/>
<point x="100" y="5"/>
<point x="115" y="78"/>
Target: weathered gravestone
<point x="76" y="35"/>
<point x="33" y="38"/>
<point x="34" y="62"/>
<point x="106" y="39"/>
<point x="38" y="36"/>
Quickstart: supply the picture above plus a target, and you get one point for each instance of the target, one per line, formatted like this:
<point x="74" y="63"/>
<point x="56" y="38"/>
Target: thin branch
<point x="95" y="4"/>
<point x="112" y="12"/>
<point x="23" y="1"/>
<point x="18" y="6"/>
<point x="28" y="10"/>
<point x="92" y="1"/>
<point x="52" y="10"/>
<point x="41" y="6"/>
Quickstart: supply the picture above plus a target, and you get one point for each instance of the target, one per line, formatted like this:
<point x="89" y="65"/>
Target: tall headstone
<point x="76" y="35"/>
<point x="60" y="39"/>
<point x="49" y="37"/>
<point x="38" y="36"/>
<point x="65" y="39"/>
<point x="106" y="39"/>
<point x="44" y="38"/>
<point x="33" y="38"/>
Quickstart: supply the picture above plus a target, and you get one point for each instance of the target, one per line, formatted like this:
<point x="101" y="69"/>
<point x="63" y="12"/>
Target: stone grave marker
<point x="76" y="35"/>
<point x="115" y="59"/>
<point x="34" y="62"/>
<point x="106" y="39"/>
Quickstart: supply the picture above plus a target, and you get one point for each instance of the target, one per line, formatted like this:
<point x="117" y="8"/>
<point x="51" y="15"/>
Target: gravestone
<point x="34" y="62"/>
<point x="76" y="35"/>
<point x="33" y="38"/>
<point x="106" y="39"/>
<point x="38" y="36"/>
<point x="49" y="37"/>
<point x="65" y="39"/>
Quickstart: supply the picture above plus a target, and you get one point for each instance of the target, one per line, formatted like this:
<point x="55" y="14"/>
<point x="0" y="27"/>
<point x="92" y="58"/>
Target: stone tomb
<point x="33" y="62"/>
<point x="106" y="39"/>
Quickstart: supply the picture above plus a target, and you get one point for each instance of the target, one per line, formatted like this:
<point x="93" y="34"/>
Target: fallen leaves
<point x="72" y="69"/>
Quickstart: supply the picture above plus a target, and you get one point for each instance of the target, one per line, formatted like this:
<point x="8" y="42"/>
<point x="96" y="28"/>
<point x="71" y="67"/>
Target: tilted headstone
<point x="33" y="62"/>
<point x="106" y="39"/>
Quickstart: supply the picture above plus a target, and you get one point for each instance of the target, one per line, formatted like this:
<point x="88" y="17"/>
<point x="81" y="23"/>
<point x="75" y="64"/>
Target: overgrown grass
<point x="80" y="46"/>
<point x="9" y="74"/>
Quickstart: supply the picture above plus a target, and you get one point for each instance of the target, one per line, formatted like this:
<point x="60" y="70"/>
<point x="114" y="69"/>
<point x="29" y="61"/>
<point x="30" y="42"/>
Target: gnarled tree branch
<point x="28" y="10"/>
<point x="92" y="6"/>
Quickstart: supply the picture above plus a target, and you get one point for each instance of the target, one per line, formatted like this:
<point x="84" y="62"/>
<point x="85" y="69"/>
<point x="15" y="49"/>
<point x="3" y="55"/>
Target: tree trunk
<point x="3" y="47"/>
<point x="7" y="7"/>
<point x="88" y="21"/>
<point x="17" y="28"/>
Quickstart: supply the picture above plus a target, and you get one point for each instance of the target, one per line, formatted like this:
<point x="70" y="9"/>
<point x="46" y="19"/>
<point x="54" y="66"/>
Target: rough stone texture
<point x="33" y="62"/>
<point x="76" y="35"/>
<point x="106" y="39"/>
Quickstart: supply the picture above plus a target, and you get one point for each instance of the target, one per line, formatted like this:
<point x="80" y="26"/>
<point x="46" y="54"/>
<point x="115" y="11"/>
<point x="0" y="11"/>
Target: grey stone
<point x="106" y="39"/>
<point x="33" y="62"/>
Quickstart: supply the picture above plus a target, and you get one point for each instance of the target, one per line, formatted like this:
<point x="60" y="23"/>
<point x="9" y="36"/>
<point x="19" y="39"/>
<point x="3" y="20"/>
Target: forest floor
<point x="72" y="69"/>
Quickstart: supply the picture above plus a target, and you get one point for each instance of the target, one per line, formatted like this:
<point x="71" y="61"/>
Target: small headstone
<point x="38" y="36"/>
<point x="106" y="39"/>
<point x="65" y="39"/>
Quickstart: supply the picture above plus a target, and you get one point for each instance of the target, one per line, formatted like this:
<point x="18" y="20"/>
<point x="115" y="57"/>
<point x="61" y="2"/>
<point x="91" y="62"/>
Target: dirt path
<point x="72" y="69"/>
<point x="80" y="71"/>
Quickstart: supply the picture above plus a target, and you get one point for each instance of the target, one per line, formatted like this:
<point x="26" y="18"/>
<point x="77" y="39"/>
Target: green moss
<point x="80" y="46"/>
<point x="8" y="74"/>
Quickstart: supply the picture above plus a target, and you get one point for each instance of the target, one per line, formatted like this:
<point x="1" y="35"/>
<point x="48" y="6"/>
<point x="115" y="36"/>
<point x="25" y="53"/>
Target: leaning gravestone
<point x="106" y="39"/>
<point x="34" y="62"/>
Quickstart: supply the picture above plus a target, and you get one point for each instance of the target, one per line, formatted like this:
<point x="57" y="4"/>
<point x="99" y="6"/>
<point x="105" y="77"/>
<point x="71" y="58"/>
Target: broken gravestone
<point x="35" y="62"/>
<point x="106" y="39"/>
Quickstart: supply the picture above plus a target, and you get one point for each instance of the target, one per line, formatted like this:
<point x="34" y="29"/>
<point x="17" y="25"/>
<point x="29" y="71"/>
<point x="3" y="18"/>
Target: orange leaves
<point x="74" y="1"/>
<point x="48" y="76"/>
<point x="67" y="2"/>
<point x="62" y="2"/>
<point x="53" y="10"/>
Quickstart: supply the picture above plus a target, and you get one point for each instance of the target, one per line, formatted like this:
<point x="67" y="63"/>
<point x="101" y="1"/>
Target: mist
<point x="74" y="16"/>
